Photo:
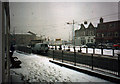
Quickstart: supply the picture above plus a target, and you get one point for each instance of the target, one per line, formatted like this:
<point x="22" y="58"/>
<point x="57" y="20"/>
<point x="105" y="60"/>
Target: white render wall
<point x="90" y="37"/>
<point x="79" y="42"/>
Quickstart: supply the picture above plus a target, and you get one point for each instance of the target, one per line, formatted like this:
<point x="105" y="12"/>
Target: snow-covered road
<point x="36" y="68"/>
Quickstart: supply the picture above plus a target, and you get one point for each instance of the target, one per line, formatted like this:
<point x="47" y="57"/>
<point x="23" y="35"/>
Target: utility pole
<point x="73" y="33"/>
<point x="69" y="37"/>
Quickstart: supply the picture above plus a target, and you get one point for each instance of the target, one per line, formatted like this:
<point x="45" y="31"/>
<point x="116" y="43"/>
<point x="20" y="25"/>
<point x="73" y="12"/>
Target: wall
<point x="0" y="42"/>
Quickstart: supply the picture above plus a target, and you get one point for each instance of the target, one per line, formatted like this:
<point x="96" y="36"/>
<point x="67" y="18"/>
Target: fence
<point x="99" y="51"/>
<point x="92" y="61"/>
<point x="108" y="65"/>
<point x="24" y="49"/>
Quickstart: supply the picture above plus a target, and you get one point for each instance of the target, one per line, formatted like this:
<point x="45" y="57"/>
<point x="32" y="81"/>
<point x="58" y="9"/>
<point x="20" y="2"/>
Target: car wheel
<point x="46" y="51"/>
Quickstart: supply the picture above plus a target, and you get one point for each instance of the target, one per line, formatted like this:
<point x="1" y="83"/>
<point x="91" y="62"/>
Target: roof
<point x="23" y="34"/>
<point x="110" y="22"/>
<point x="90" y="25"/>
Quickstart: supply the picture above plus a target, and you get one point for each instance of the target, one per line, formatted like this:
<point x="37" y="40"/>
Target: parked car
<point x="83" y="46"/>
<point x="40" y="48"/>
<point x="116" y="46"/>
<point x="109" y="45"/>
<point x="102" y="45"/>
<point x="91" y="45"/>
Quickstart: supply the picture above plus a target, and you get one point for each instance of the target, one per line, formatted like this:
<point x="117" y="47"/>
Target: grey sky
<point x="50" y="18"/>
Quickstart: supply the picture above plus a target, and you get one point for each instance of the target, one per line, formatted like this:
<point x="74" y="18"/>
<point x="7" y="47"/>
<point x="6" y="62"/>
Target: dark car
<point x="91" y="45"/>
<point x="109" y="45"/>
<point x="116" y="46"/>
<point x="102" y="45"/>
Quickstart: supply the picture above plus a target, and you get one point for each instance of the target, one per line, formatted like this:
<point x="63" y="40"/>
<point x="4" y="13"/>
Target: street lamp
<point x="73" y="33"/>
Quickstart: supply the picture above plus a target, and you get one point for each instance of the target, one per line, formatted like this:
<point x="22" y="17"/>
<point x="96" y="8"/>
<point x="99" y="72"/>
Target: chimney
<point x="101" y="20"/>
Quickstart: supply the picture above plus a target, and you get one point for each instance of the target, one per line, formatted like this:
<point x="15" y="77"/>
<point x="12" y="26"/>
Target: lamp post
<point x="73" y="41"/>
<point x="73" y="33"/>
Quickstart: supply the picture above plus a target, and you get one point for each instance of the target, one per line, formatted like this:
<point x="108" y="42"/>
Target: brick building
<point x="108" y="32"/>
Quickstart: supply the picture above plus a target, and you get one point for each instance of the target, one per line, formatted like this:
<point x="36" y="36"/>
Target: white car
<point x="40" y="48"/>
<point x="84" y="46"/>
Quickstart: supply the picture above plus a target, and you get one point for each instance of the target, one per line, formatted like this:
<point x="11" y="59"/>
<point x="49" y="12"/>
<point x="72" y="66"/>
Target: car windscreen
<point x="44" y="45"/>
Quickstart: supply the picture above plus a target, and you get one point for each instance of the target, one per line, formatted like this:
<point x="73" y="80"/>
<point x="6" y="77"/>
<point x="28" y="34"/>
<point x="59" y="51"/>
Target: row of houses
<point x="105" y="32"/>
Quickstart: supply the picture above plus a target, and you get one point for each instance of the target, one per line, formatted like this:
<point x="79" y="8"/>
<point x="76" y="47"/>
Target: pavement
<point x="15" y="78"/>
<point x="36" y="68"/>
<point x="88" y="71"/>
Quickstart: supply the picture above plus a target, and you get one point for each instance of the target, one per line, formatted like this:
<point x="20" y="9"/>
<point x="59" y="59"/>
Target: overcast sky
<point x="50" y="18"/>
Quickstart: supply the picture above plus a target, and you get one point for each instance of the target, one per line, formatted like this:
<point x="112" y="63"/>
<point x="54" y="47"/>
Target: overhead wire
<point x="80" y="21"/>
<point x="117" y="13"/>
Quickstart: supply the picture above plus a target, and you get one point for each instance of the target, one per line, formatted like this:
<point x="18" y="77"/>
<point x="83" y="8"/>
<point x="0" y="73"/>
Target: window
<point x="116" y="34"/>
<point x="97" y="34"/>
<point x="105" y="34"/>
<point x="102" y="35"/>
<point x="84" y="33"/>
<point x="91" y="40"/>
<point x="109" y="34"/>
<point x="88" y="40"/>
<point x="102" y="26"/>
<point x="111" y="25"/>
<point x="90" y="33"/>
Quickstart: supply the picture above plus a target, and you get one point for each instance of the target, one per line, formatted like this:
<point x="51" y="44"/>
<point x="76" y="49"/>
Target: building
<point x="22" y="39"/>
<point x="4" y="44"/>
<point x="85" y="35"/>
<point x="108" y="32"/>
<point x="28" y="38"/>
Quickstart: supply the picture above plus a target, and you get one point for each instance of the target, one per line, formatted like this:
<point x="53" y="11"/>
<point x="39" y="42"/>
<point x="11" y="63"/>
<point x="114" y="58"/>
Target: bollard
<point x="52" y="47"/>
<point x="74" y="56"/>
<point x="102" y="51"/>
<point x="113" y="52"/>
<point x="86" y="49"/>
<point x="62" y="55"/>
<point x="64" y="47"/>
<point x="93" y="50"/>
<point x="80" y="50"/>
<point x="60" y="48"/>
<point x="68" y="48"/>
<point x="55" y="47"/>
<point x="53" y="54"/>
<point x="92" y="62"/>
<point x="119" y="65"/>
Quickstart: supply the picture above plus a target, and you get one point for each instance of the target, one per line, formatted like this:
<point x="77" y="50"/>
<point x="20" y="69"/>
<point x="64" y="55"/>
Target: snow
<point x="90" y="50"/>
<point x="37" y="68"/>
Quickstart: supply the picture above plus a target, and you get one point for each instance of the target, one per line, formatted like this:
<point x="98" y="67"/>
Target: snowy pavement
<point x="36" y="68"/>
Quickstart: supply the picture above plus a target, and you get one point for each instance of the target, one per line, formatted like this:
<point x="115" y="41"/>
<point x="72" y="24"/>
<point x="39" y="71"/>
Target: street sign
<point x="58" y="39"/>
